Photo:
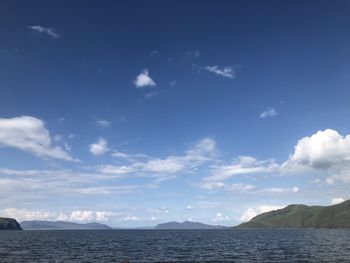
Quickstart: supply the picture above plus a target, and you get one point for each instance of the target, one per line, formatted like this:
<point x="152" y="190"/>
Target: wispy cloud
<point x="144" y="80"/>
<point x="269" y="112"/>
<point x="227" y="72"/>
<point x="194" y="53"/>
<point x="150" y="95"/>
<point x="30" y="135"/>
<point x="196" y="155"/>
<point x="103" y="123"/>
<point x="49" y="31"/>
<point x="240" y="166"/>
<point x="294" y="189"/>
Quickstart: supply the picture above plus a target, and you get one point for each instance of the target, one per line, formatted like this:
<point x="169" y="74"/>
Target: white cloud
<point x="324" y="151"/>
<point x="86" y="216"/>
<point x="254" y="211"/>
<point x="26" y="215"/>
<point x="227" y="72"/>
<point x="99" y="148"/>
<point x="29" y="215"/>
<point x="294" y="189"/>
<point x="132" y="218"/>
<point x="107" y="190"/>
<point x="242" y="165"/>
<point x="219" y="217"/>
<point x="337" y="200"/>
<point x="190" y="207"/>
<point x="112" y="169"/>
<point x="212" y="185"/>
<point x="196" y="155"/>
<point x="169" y="165"/>
<point x="143" y="80"/>
<point x="103" y="123"/>
<point x="241" y="187"/>
<point x="30" y="135"/>
<point x="269" y="112"/>
<point x="163" y="210"/>
<point x="45" y="30"/>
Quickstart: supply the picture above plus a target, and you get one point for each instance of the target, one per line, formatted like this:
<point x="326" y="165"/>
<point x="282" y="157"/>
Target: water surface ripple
<point x="238" y="245"/>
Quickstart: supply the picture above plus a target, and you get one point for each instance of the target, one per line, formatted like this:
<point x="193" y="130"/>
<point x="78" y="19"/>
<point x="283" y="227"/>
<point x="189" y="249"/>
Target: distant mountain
<point x="9" y="224"/>
<point x="303" y="216"/>
<point x="61" y="225"/>
<point x="187" y="225"/>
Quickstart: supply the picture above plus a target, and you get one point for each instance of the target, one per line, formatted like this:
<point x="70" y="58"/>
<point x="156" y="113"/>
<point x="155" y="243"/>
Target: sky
<point x="144" y="112"/>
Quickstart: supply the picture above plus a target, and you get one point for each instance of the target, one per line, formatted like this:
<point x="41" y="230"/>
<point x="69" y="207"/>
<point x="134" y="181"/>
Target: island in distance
<point x="9" y="224"/>
<point x="303" y="216"/>
<point x="187" y="225"/>
<point x="292" y="216"/>
<point x="62" y="225"/>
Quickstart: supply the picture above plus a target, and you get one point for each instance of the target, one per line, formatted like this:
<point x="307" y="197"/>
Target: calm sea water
<point x="176" y="246"/>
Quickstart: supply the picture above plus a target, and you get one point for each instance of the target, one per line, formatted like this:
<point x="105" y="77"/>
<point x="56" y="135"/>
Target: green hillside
<point x="303" y="216"/>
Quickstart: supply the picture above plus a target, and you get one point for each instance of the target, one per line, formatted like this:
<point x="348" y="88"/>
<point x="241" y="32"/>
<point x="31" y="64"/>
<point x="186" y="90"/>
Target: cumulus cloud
<point x="227" y="72"/>
<point x="254" y="211"/>
<point x="325" y="151"/>
<point x="219" y="217"/>
<point x="144" y="80"/>
<point x="80" y="216"/>
<point x="337" y="200"/>
<point x="86" y="216"/>
<point x="49" y="31"/>
<point x="99" y="148"/>
<point x="30" y="135"/>
<point x="269" y="112"/>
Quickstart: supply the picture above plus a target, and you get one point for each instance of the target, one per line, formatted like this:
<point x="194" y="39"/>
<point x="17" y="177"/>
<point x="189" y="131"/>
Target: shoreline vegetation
<point x="293" y="216"/>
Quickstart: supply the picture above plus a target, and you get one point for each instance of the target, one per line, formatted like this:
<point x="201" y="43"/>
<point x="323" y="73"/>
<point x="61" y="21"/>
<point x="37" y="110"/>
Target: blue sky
<point x="145" y="112"/>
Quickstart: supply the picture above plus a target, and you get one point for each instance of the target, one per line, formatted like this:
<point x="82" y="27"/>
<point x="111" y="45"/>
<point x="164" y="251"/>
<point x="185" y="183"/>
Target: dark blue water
<point x="176" y="246"/>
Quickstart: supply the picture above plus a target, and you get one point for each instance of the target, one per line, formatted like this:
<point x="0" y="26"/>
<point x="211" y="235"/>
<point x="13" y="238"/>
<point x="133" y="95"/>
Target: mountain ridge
<point x="187" y="225"/>
<point x="62" y="225"/>
<point x="303" y="216"/>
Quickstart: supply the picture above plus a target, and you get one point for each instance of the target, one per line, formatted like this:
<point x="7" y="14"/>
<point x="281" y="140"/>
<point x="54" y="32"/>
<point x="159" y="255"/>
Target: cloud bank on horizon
<point x="102" y="119"/>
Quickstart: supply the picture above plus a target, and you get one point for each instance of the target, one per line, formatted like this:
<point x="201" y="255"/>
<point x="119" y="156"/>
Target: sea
<point x="226" y="245"/>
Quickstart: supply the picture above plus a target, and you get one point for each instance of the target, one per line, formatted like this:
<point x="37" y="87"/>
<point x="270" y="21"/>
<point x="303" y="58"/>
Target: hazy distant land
<point x="61" y="225"/>
<point x="292" y="216"/>
<point x="187" y="225"/>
